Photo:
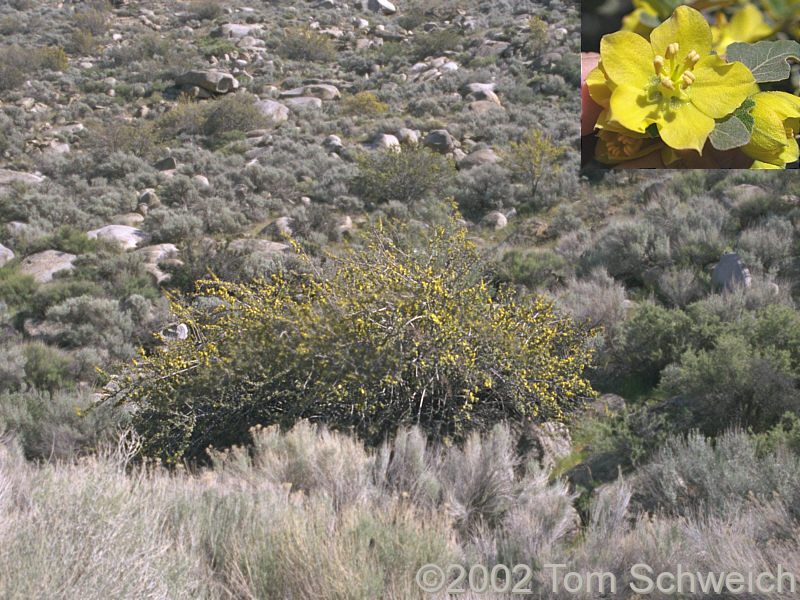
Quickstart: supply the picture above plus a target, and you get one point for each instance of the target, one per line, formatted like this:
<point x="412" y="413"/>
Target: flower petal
<point x="787" y="106"/>
<point x="748" y="25"/>
<point x="757" y="164"/>
<point x="687" y="27"/>
<point x="719" y="88"/>
<point x="627" y="58"/>
<point x="631" y="109"/>
<point x="598" y="86"/>
<point x="768" y="140"/>
<point x="685" y="127"/>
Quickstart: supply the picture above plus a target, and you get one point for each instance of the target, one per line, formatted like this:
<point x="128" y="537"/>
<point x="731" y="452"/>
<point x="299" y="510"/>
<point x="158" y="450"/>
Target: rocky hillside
<point x="144" y="143"/>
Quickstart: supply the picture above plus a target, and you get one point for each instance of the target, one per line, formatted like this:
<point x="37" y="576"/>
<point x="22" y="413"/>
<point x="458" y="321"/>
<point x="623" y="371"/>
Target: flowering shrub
<point x="395" y="336"/>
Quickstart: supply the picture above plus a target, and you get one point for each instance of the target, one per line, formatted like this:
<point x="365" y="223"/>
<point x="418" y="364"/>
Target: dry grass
<point x="311" y="514"/>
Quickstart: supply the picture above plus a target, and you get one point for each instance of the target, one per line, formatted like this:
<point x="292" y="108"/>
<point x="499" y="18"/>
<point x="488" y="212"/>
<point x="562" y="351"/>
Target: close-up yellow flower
<point x="672" y="81"/>
<point x="777" y="121"/>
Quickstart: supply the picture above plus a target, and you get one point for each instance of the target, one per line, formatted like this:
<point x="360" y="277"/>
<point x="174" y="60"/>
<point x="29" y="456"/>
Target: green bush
<point x="234" y="112"/>
<point x="397" y="335"/>
<point x="214" y="46"/>
<point x="57" y="291"/>
<point x="733" y="384"/>
<point x="436" y="42"/>
<point x="408" y="175"/>
<point x="306" y="44"/>
<point x="205" y="9"/>
<point x="47" y="368"/>
<point x="534" y="160"/>
<point x="652" y="338"/>
<point x="15" y="288"/>
<point x="93" y="21"/>
<point x="49" y="424"/>
<point x="535" y="268"/>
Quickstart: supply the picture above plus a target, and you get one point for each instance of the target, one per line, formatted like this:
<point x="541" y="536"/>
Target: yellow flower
<point x="747" y="25"/>
<point x="672" y="81"/>
<point x="777" y="121"/>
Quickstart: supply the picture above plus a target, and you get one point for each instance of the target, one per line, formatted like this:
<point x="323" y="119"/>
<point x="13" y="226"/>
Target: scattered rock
<point x="280" y="227"/>
<point x="149" y="198"/>
<point x="273" y="110"/>
<point x="381" y="6"/>
<point x="407" y="136"/>
<point x="478" y="158"/>
<point x="128" y="237"/>
<point x="157" y="253"/>
<point x="6" y="254"/>
<point x="201" y="181"/>
<point x="176" y="333"/>
<point x="476" y="87"/>
<point x="546" y="443"/>
<point x="323" y="91"/>
<point x="385" y="140"/>
<point x="7" y="177"/>
<point x="166" y="164"/>
<point x="305" y="101"/>
<point x="210" y="80"/>
<point x="131" y="219"/>
<point x="236" y="30"/>
<point x="256" y="246"/>
<point x="491" y="48"/>
<point x="333" y="143"/>
<point x="494" y="220"/>
<point x="344" y="225"/>
<point x="730" y="273"/>
<point x="43" y="265"/>
<point x="484" y="95"/>
<point x="441" y="141"/>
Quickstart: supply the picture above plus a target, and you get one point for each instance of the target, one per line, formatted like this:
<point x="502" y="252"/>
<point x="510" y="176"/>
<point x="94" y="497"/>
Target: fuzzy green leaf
<point x="767" y="60"/>
<point x="734" y="130"/>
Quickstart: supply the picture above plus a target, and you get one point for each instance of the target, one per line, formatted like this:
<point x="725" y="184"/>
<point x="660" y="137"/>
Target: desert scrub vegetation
<point x="17" y="63"/>
<point x="408" y="175"/>
<point x="304" y="43"/>
<point x="309" y="513"/>
<point x="363" y="103"/>
<point x="533" y="160"/>
<point x="423" y="340"/>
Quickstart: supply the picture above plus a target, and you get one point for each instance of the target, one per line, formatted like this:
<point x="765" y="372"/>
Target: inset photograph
<point x="701" y="85"/>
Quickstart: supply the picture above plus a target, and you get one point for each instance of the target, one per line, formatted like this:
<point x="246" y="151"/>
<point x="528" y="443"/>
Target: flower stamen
<point x="692" y="58"/>
<point x="672" y="50"/>
<point x="667" y="83"/>
<point x="658" y="63"/>
<point x="688" y="79"/>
